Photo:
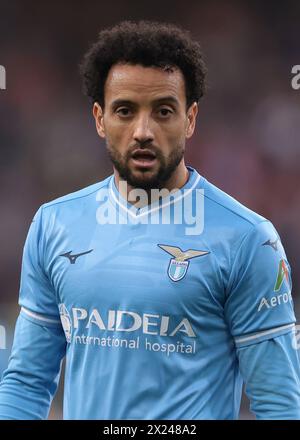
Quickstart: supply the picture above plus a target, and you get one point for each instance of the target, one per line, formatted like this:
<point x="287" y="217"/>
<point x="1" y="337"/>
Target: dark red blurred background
<point x="247" y="138"/>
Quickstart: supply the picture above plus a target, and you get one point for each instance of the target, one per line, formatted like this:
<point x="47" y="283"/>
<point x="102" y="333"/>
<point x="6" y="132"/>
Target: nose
<point x="142" y="130"/>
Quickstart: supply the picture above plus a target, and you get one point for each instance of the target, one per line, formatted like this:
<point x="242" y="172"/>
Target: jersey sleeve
<point x="259" y="303"/>
<point x="37" y="296"/>
<point x="271" y="372"/>
<point x="31" y="379"/>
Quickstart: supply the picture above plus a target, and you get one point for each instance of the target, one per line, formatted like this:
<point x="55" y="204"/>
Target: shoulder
<point x="79" y="195"/>
<point x="232" y="225"/>
<point x="69" y="208"/>
<point x="228" y="209"/>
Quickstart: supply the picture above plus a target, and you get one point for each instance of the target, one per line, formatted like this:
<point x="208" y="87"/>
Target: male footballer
<point x="163" y="293"/>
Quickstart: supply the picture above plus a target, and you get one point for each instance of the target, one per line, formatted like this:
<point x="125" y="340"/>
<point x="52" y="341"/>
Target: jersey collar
<point x="195" y="180"/>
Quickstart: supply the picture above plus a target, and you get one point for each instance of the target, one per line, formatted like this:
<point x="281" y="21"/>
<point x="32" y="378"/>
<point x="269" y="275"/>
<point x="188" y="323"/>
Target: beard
<point x="146" y="179"/>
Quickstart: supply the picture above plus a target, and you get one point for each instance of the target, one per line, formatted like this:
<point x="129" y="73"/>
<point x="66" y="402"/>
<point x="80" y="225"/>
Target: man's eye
<point x="123" y="111"/>
<point x="165" y="112"/>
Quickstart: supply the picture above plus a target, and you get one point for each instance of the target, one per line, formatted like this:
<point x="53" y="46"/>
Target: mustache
<point x="143" y="146"/>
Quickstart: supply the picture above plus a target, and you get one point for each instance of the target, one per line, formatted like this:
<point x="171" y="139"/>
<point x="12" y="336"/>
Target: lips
<point x="143" y="158"/>
<point x="143" y="155"/>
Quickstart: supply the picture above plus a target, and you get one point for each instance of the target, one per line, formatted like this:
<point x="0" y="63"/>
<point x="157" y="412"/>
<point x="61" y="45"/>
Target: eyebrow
<point x="162" y="99"/>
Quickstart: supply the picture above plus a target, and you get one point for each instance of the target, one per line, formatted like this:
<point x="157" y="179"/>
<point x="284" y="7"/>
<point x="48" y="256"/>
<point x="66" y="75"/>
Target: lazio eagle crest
<point x="178" y="266"/>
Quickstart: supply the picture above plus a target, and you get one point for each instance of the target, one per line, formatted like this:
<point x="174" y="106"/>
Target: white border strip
<point x="185" y="193"/>
<point x="39" y="317"/>
<point x="267" y="332"/>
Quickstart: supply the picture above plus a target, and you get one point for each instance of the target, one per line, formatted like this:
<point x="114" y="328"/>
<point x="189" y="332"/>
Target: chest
<point x="140" y="269"/>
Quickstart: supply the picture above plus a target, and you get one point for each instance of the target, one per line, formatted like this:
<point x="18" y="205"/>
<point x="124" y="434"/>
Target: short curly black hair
<point x="148" y="43"/>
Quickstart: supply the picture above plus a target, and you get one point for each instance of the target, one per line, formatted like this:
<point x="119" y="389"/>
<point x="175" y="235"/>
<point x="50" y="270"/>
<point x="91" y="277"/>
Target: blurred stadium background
<point x="247" y="139"/>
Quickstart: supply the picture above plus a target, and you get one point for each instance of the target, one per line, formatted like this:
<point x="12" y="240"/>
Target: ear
<point x="191" y="120"/>
<point x="98" y="115"/>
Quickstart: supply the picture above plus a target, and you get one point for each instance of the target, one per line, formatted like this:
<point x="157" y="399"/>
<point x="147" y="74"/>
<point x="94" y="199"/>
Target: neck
<point x="177" y="180"/>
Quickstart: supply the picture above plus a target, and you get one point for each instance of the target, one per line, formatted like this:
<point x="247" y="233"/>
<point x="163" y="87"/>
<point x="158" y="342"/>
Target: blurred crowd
<point x="246" y="141"/>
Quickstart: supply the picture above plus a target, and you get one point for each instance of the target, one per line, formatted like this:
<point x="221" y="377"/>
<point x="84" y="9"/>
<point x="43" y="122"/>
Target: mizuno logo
<point x="178" y="266"/>
<point x="74" y="257"/>
<point x="273" y="244"/>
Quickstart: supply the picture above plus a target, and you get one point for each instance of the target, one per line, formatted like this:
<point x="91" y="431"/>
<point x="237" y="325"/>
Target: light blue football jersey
<point x="151" y="306"/>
